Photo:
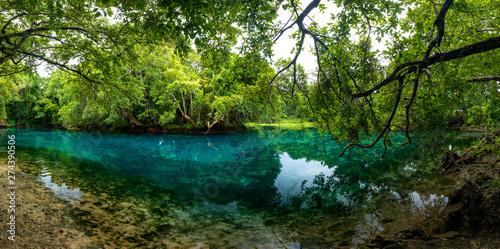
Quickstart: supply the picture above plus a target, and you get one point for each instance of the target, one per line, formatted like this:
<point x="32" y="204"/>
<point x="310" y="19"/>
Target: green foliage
<point x="8" y="86"/>
<point x="23" y="109"/>
<point x="423" y="99"/>
<point x="133" y="64"/>
<point x="485" y="108"/>
<point x="285" y="124"/>
<point x="160" y="88"/>
<point x="495" y="183"/>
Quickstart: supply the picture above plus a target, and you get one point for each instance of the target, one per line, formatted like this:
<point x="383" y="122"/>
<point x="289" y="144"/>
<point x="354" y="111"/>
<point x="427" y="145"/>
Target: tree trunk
<point x="127" y="115"/>
<point x="210" y="125"/>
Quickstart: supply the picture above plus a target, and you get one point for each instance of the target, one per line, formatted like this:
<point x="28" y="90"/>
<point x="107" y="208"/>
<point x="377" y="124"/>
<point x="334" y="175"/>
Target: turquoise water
<point x="264" y="189"/>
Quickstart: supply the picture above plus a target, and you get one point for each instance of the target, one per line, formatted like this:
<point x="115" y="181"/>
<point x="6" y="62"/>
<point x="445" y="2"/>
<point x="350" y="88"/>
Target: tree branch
<point x="475" y="48"/>
<point x="484" y="78"/>
<point x="439" y="22"/>
<point x="40" y="57"/>
<point x="392" y="77"/>
<point x="388" y="123"/>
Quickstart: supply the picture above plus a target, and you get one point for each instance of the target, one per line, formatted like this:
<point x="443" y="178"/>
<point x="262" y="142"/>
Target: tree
<point x="9" y="85"/>
<point x="354" y="93"/>
<point x="22" y="107"/>
<point x="54" y="32"/>
<point x="247" y="76"/>
<point x="92" y="40"/>
<point x="59" y="32"/>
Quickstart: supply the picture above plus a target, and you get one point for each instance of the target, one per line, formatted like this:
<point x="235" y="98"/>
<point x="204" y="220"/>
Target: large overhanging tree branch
<point x="409" y="67"/>
<point x="334" y="78"/>
<point x="38" y="36"/>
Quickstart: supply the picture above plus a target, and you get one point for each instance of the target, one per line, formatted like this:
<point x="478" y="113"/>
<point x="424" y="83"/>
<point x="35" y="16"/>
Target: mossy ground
<point x="287" y="124"/>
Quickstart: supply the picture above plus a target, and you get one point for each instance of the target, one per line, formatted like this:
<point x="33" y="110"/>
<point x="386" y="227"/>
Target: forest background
<point x="201" y="66"/>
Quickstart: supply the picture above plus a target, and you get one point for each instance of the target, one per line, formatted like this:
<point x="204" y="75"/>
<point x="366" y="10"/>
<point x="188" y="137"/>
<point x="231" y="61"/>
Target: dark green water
<point x="240" y="190"/>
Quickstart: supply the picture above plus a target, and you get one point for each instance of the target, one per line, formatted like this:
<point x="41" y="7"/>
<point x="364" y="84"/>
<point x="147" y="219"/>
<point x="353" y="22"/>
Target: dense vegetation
<point x="161" y="89"/>
<point x="163" y="64"/>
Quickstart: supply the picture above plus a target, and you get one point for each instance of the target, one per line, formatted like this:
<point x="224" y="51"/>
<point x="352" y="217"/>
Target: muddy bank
<point x="41" y="219"/>
<point x="471" y="218"/>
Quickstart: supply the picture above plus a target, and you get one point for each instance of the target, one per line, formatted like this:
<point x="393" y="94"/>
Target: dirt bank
<point x="471" y="218"/>
<point x="41" y="219"/>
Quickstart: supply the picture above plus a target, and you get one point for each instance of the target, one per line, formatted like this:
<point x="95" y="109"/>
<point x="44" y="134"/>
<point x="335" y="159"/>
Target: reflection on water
<point x="368" y="226"/>
<point x="62" y="191"/>
<point x="266" y="189"/>
<point x="295" y="171"/>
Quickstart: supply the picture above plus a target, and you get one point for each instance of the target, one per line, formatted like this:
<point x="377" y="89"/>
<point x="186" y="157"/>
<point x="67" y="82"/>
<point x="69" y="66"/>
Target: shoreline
<point x="42" y="220"/>
<point x="226" y="130"/>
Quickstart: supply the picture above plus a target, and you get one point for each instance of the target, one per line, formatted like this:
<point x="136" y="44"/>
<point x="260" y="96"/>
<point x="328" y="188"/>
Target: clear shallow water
<point x="240" y="190"/>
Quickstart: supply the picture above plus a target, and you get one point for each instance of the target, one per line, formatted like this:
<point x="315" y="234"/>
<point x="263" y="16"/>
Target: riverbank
<point x="471" y="218"/>
<point x="41" y="219"/>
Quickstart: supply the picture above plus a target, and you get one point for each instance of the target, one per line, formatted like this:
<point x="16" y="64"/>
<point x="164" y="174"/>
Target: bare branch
<point x="40" y="57"/>
<point x="10" y="20"/>
<point x="16" y="72"/>
<point x="301" y="43"/>
<point x="475" y="48"/>
<point x="407" y="107"/>
<point x="34" y="30"/>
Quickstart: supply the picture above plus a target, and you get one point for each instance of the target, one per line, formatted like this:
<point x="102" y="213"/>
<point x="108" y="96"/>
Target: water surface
<point x="263" y="189"/>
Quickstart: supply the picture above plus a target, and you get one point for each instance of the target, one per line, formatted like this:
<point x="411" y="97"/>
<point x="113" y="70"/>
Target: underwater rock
<point x="471" y="216"/>
<point x="448" y="235"/>
<point x="463" y="210"/>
